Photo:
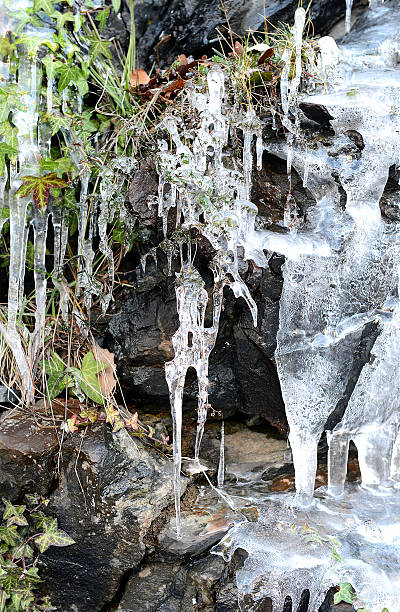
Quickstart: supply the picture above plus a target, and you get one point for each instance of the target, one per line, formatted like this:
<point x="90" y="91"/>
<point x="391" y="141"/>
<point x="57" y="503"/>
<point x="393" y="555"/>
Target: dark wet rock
<point x="317" y="113"/>
<point x="8" y="397"/>
<point x="27" y="456"/>
<point x="141" y="192"/>
<point x="112" y="489"/>
<point x="140" y="335"/>
<point x="191" y="27"/>
<point x="170" y="587"/>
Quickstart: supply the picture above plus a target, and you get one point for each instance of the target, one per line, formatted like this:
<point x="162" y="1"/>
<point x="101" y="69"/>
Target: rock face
<point x="112" y="488"/>
<point x="27" y="456"/>
<point x="191" y="27"/>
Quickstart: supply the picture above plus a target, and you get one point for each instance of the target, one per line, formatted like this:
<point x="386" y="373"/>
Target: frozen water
<point x="355" y="539"/>
<point x="340" y="281"/>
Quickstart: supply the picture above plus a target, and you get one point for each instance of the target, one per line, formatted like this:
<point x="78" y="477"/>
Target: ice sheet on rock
<point x="355" y="539"/>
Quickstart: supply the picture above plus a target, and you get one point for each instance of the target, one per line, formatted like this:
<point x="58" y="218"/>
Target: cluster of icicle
<point x="341" y="275"/>
<point x="213" y="200"/>
<point x="94" y="214"/>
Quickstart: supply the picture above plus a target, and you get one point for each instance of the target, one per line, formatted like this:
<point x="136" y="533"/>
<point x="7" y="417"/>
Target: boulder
<point x="112" y="489"/>
<point x="27" y="456"/>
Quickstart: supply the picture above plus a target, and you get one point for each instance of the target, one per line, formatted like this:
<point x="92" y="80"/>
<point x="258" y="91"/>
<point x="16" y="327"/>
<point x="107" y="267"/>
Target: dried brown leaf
<point x="106" y="376"/>
<point x="238" y="49"/>
<point x="139" y="77"/>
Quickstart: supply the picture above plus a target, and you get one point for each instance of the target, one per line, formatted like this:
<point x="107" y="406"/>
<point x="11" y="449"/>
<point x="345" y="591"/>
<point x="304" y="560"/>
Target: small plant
<point x="25" y="532"/>
<point x="85" y="380"/>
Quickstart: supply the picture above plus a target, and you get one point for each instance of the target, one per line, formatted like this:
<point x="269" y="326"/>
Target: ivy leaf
<point x="9" y="535"/>
<point x="10" y="135"/>
<point x="67" y="74"/>
<point x="53" y="365"/>
<point x="51" y="65"/>
<point x="44" y="5"/>
<point x="57" y="122"/>
<point x="62" y="18"/>
<point x="99" y="47"/>
<point x="40" y="187"/>
<point x="91" y="414"/>
<point x="102" y="17"/>
<point x="33" y="43"/>
<point x="62" y="165"/>
<point x="3" y="600"/>
<point x="10" y="100"/>
<point x="22" y="598"/>
<point x="345" y="593"/>
<point x="55" y="370"/>
<point x="89" y="382"/>
<point x="52" y="536"/>
<point x="25" y="17"/>
<point x="132" y="422"/>
<point x="6" y="47"/>
<point x="116" y="5"/>
<point x="78" y="21"/>
<point x="56" y="385"/>
<point x="5" y="149"/>
<point x="14" y="514"/>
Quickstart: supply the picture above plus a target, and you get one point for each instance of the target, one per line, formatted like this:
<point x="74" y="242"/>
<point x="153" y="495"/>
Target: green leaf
<point x="33" y="43"/>
<point x="62" y="165"/>
<point x="14" y="515"/>
<point x="53" y="365"/>
<point x="345" y="593"/>
<point x="5" y="149"/>
<point x="9" y="535"/>
<point x="102" y="17"/>
<point x="24" y="17"/>
<point x="56" y="385"/>
<point x="83" y="86"/>
<point x="10" y="100"/>
<point x="67" y="73"/>
<point x="99" y="47"/>
<point x="57" y="122"/>
<point x="52" y="536"/>
<point x="116" y="5"/>
<point x="22" y="598"/>
<point x="89" y="382"/>
<point x="44" y="5"/>
<point x="78" y="22"/>
<point x="6" y="48"/>
<point x="10" y="134"/>
<point x="40" y="187"/>
<point x="62" y="18"/>
<point x="51" y="65"/>
<point x="3" y="600"/>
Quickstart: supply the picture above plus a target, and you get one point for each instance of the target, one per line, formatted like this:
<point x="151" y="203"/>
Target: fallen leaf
<point x="139" y="77"/>
<point x="106" y="376"/>
<point x="173" y="86"/>
<point x="183" y="60"/>
<point x="268" y="53"/>
<point x="132" y="422"/>
<point x="238" y="49"/>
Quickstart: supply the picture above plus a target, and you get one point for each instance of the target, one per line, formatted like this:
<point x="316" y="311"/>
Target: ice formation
<point x="341" y="275"/>
<point x="341" y="279"/>
<point x="94" y="213"/>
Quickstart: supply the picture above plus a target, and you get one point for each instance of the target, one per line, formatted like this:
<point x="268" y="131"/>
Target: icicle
<point x="221" y="465"/>
<point x="299" y="22"/>
<point x="349" y="5"/>
<point x="259" y="151"/>
<point x="39" y="222"/>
